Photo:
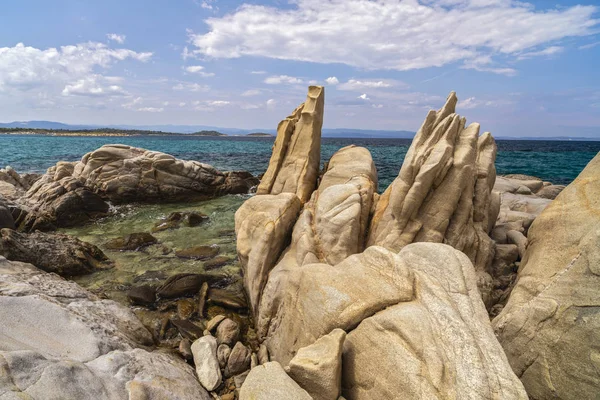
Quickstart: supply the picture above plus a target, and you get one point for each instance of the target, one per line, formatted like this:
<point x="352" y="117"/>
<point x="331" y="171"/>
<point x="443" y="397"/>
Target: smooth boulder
<point x="268" y="382"/>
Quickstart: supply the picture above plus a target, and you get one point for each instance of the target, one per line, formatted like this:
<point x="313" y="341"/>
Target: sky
<point x="519" y="68"/>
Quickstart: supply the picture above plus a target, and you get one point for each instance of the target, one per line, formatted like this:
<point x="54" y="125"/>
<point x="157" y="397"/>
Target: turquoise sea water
<point x="555" y="161"/>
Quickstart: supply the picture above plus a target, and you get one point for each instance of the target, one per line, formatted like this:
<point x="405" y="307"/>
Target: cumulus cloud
<point x="199" y="70"/>
<point x="116" y="37"/>
<point x="282" y="79"/>
<point x="364" y="97"/>
<point x="391" y="34"/>
<point x="332" y="80"/>
<point x="218" y="103"/>
<point x="69" y="70"/>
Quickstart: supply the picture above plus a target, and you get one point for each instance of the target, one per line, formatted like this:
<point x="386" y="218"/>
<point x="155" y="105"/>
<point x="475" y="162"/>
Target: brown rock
<point x="179" y="219"/>
<point x="144" y="295"/>
<point x="216" y="262"/>
<point x="202" y="295"/>
<point x="200" y="252"/>
<point x="133" y="241"/>
<point x="187" y="329"/>
<point x="239" y="360"/>
<point x="228" y="332"/>
<point x="185" y="308"/>
<point x="228" y="298"/>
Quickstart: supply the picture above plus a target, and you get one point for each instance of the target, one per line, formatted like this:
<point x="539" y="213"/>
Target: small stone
<point x="228" y="396"/>
<point x="202" y="299"/>
<point x="239" y="360"/>
<point x="204" y="351"/>
<point x="223" y="352"/>
<point x="144" y="295"/>
<point x="228" y="332"/>
<point x="185" y="349"/>
<point x="133" y="241"/>
<point x="200" y="252"/>
<point x="188" y="329"/>
<point x="213" y="323"/>
<point x="185" y="308"/>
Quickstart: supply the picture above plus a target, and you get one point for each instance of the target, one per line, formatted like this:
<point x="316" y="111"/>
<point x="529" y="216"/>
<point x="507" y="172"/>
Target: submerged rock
<point x="53" y="252"/>
<point x="133" y="241"/>
<point x="200" y="252"/>
<point x="551" y="323"/>
<point x="186" y="284"/>
<point x="178" y="219"/>
<point x="144" y="295"/>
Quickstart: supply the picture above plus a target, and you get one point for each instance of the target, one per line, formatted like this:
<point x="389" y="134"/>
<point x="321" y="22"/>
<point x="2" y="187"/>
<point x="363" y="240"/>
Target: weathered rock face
<point x="421" y="308"/>
<point x="442" y="193"/>
<point x="65" y="343"/>
<point x="550" y="326"/>
<point x="294" y="165"/>
<point x="269" y="382"/>
<point x="58" y="253"/>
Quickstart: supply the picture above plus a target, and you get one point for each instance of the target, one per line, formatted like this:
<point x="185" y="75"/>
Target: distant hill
<point x="260" y="134"/>
<point x="208" y="133"/>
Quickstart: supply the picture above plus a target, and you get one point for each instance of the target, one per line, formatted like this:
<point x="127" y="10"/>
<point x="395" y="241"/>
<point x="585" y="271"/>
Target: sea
<point x="556" y="161"/>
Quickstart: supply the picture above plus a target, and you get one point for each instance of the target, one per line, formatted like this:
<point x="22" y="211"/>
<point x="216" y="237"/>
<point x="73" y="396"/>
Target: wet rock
<point x="185" y="308"/>
<point x="185" y="284"/>
<point x="202" y="295"/>
<point x="178" y="219"/>
<point x="185" y="349"/>
<point x="217" y="262"/>
<point x="133" y="241"/>
<point x="228" y="332"/>
<point x="187" y="329"/>
<point x="223" y="352"/>
<point x="239" y="360"/>
<point x="207" y="365"/>
<point x="144" y="295"/>
<point x="200" y="252"/>
<point x="227" y="298"/>
<point x="268" y="382"/>
<point x="53" y="252"/>
<point x="214" y="322"/>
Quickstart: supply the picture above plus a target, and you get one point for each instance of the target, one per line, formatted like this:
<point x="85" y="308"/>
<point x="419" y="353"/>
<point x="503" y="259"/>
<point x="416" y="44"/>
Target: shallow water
<point x="129" y="265"/>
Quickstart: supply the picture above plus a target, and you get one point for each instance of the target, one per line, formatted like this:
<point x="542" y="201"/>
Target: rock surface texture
<point x="550" y="327"/>
<point x="65" y="343"/>
<point x="419" y="309"/>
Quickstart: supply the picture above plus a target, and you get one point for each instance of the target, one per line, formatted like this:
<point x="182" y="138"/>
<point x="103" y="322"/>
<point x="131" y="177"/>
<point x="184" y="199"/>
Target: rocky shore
<point x="452" y="283"/>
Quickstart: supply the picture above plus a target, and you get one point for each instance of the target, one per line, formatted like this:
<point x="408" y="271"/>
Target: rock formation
<point x="550" y="327"/>
<point x="70" y="345"/>
<point x="294" y="165"/>
<point x="53" y="252"/>
<point x="73" y="193"/>
<point x="420" y="309"/>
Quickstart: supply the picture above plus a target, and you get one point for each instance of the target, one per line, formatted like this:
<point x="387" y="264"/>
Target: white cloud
<point x="182" y="104"/>
<point x="92" y="86"/>
<point x="191" y="87"/>
<point x="251" y="92"/>
<point x="357" y="85"/>
<point x="258" y="72"/>
<point x="364" y="97"/>
<point x="218" y="103"/>
<point x="132" y="103"/>
<point x="548" y="51"/>
<point x="151" y="109"/>
<point x="204" y="4"/>
<point x="68" y="70"/>
<point x="199" y="70"/>
<point x="332" y="80"/>
<point x="116" y="37"/>
<point x="377" y="105"/>
<point x="468" y="103"/>
<point x="589" y="46"/>
<point x="282" y="79"/>
<point x="391" y="34"/>
<point x="271" y="103"/>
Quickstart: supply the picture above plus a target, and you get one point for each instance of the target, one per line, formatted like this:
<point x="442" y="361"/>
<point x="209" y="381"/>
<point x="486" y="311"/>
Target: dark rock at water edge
<point x="181" y="285"/>
<point x="133" y="241"/>
<point x="53" y="252"/>
<point x="144" y="295"/>
<point x="178" y="219"/>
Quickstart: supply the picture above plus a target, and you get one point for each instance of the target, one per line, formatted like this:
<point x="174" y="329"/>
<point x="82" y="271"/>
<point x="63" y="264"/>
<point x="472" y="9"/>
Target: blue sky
<point x="519" y="69"/>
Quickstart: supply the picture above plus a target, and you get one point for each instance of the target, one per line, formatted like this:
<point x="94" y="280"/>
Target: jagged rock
<point x="238" y="361"/>
<point x="207" y="365"/>
<point x="53" y="252"/>
<point x="442" y="193"/>
<point x="269" y="382"/>
<point x="228" y="332"/>
<point x="144" y="295"/>
<point x="262" y="225"/>
<point x="178" y="219"/>
<point x="294" y="164"/>
<point x="65" y="343"/>
<point x="317" y="368"/>
<point x="133" y="241"/>
<point x="550" y="325"/>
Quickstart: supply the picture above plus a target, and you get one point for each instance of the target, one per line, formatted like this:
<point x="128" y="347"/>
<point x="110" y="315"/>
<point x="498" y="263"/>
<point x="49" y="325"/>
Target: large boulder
<point x="53" y="252"/>
<point x="63" y="342"/>
<point x="550" y="327"/>
<point x="270" y="382"/>
<point x="442" y="193"/>
<point x="294" y="164"/>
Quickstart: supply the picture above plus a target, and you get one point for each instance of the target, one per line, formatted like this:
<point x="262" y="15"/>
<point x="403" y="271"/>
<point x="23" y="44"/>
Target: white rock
<point x="207" y="364"/>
